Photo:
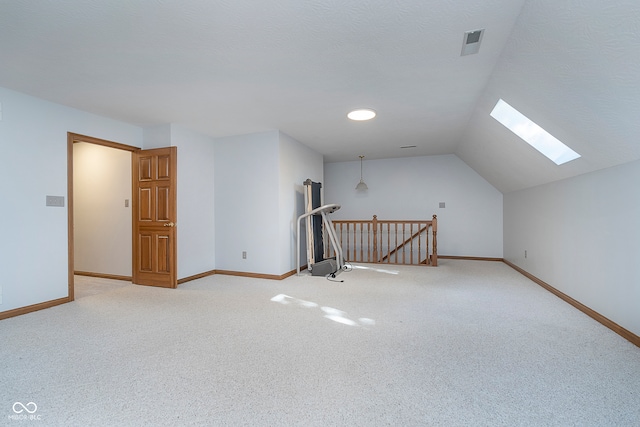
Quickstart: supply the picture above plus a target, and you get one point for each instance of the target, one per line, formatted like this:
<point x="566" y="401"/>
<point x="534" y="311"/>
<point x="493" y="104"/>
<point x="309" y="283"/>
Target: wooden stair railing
<point x="408" y="241"/>
<point x="388" y="241"/>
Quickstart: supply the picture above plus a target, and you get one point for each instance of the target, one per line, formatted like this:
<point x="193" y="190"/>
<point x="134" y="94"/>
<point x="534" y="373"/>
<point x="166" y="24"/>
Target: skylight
<point x="533" y="134"/>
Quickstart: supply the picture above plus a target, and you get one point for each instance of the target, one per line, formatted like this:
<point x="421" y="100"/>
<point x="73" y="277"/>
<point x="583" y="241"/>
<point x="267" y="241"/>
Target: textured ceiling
<point x="234" y="67"/>
<point x="573" y="67"/>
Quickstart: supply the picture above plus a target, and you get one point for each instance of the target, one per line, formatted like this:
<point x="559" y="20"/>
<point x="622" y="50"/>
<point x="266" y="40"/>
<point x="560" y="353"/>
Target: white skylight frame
<point x="533" y="134"/>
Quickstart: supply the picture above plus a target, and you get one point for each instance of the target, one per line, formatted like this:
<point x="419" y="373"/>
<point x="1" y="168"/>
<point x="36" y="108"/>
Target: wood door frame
<point x="71" y="139"/>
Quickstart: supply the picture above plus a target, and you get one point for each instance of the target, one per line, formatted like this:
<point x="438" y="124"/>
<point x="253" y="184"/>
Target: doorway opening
<point x="72" y="139"/>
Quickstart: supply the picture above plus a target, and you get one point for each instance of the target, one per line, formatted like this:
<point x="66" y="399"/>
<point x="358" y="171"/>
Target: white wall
<point x="33" y="135"/>
<point x="259" y="195"/>
<point x="102" y="222"/>
<point x="297" y="163"/>
<point x="158" y="136"/>
<point x="412" y="188"/>
<point x="582" y="236"/>
<point x="246" y="210"/>
<point x="196" y="207"/>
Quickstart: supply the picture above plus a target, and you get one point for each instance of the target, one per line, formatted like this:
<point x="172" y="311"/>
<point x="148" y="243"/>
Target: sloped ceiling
<point x="573" y="67"/>
<point x="232" y="67"/>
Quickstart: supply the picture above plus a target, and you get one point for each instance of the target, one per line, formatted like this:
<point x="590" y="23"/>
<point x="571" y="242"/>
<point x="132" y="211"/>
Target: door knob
<point x="169" y="224"/>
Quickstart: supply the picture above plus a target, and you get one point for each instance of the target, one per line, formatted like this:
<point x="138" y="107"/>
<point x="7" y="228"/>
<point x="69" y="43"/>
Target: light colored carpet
<point x="86" y="286"/>
<point x="469" y="343"/>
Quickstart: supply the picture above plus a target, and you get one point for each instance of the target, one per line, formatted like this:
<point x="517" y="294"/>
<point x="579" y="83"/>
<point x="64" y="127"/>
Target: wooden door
<point x="154" y="217"/>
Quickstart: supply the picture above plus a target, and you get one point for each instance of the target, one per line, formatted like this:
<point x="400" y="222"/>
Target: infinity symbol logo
<point x="29" y="407"/>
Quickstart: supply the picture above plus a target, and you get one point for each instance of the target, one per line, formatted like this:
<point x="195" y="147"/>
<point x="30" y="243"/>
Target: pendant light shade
<point x="361" y="185"/>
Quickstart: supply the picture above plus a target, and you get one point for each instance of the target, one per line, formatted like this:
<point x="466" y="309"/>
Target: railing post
<point x="434" y="256"/>
<point x="375" y="238"/>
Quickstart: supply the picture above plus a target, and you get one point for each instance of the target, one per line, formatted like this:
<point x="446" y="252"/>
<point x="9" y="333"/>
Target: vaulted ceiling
<point x="230" y="67"/>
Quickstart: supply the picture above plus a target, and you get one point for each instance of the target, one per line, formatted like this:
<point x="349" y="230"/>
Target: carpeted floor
<point x="469" y="343"/>
<point x="86" y="286"/>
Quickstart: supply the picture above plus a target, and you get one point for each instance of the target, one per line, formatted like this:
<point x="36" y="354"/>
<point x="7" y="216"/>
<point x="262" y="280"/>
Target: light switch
<point x="56" y="201"/>
<point x="126" y="203"/>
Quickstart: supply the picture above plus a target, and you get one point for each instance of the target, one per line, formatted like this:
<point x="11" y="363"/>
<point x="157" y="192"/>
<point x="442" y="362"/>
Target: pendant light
<point x="361" y="185"/>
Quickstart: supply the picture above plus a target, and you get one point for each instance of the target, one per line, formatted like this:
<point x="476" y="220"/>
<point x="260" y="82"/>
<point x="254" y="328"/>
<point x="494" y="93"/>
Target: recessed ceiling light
<point x="362" y="114"/>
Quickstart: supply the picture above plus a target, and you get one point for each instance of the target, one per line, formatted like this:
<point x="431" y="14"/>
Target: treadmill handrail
<point x="327" y="208"/>
<point x="323" y="210"/>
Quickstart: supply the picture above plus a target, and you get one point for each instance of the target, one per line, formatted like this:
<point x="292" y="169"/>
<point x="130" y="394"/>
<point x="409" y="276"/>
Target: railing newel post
<point x="434" y="256"/>
<point x="374" y="223"/>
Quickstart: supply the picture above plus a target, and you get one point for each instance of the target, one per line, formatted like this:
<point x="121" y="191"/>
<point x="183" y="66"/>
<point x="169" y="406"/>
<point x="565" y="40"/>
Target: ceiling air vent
<point x="471" y="42"/>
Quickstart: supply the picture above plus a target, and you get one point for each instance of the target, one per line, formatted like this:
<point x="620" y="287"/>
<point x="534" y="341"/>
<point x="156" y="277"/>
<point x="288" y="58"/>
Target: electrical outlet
<point x="244" y="254"/>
